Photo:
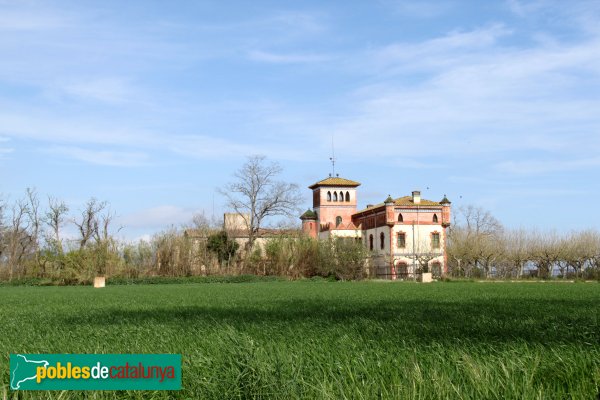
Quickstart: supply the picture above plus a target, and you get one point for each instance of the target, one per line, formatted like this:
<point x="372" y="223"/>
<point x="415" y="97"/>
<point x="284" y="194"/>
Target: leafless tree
<point x="33" y="215"/>
<point x="18" y="237"/>
<point x="473" y="241"/>
<point x="478" y="221"/>
<point x="256" y="194"/>
<point x="546" y="250"/>
<point x="580" y="250"/>
<point x="103" y="221"/>
<point x="55" y="219"/>
<point x="517" y="244"/>
<point x="2" y="229"/>
<point x="88" y="225"/>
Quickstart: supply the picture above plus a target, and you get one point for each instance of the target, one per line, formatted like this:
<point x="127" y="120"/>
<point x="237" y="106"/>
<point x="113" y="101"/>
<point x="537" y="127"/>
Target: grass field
<point x="355" y="340"/>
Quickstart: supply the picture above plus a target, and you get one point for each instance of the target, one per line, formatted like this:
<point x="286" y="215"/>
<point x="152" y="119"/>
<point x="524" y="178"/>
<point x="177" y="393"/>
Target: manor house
<point x="406" y="235"/>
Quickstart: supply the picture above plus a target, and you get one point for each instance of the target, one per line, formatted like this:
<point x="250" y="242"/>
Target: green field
<point x="355" y="340"/>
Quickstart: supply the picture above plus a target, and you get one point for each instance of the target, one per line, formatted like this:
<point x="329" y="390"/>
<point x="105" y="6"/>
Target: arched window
<point x="435" y="219"/>
<point x="334" y="196"/>
<point x="328" y="196"/>
<point x="347" y="196"/>
<point x="402" y="269"/>
<point x="436" y="269"/>
<point x="381" y="240"/>
<point x="338" y="221"/>
<point x="400" y="218"/>
<point x="371" y="242"/>
<point x="341" y="196"/>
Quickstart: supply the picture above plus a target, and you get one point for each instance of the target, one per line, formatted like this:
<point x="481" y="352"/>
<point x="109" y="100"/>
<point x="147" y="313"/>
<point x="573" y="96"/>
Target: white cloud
<point x="160" y="217"/>
<point x="536" y="167"/>
<point x="420" y="9"/>
<point x="476" y="98"/>
<point x="109" y="90"/>
<point x="100" y="157"/>
<point x="207" y="147"/>
<point x="30" y="20"/>
<point x="442" y="52"/>
<point x="36" y="123"/>
<point x="268" y="57"/>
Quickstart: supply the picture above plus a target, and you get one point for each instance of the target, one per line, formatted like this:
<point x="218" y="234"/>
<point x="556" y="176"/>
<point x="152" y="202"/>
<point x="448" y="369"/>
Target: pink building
<point x="404" y="235"/>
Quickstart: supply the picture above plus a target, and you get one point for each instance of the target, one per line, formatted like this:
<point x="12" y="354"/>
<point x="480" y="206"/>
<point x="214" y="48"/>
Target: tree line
<point x="34" y="245"/>
<point x="479" y="246"/>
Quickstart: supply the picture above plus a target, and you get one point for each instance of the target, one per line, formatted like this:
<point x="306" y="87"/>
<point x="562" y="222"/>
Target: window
<point x="338" y="221"/>
<point x="382" y="241"/>
<point x="347" y="196"/>
<point x="436" y="269"/>
<point x="371" y="242"/>
<point x="400" y="218"/>
<point x="328" y="196"/>
<point x="435" y="240"/>
<point x="341" y="196"/>
<point x="402" y="269"/>
<point x="401" y="242"/>
<point x="435" y="219"/>
<point x="334" y="196"/>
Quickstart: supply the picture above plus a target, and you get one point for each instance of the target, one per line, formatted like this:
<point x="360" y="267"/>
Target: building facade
<point x="405" y="235"/>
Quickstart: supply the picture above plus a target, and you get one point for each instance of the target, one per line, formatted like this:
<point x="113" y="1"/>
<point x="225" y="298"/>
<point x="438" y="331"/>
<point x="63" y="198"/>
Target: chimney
<point x="416" y="197"/>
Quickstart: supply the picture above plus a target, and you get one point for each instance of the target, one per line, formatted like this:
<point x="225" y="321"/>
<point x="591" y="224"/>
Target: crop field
<point x="354" y="340"/>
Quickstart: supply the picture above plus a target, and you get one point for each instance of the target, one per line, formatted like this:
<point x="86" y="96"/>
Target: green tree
<point x="220" y="244"/>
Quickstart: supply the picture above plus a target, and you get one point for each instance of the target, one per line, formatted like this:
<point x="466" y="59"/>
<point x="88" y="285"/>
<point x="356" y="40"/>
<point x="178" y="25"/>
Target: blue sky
<point x="152" y="105"/>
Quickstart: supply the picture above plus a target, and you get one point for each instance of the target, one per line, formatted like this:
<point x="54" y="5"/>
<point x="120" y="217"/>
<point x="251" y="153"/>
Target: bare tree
<point x="580" y="250"/>
<point x="17" y="236"/>
<point x="55" y="218"/>
<point x="517" y="251"/>
<point x="473" y="240"/>
<point x="203" y="222"/>
<point x="478" y="221"/>
<point x="546" y="251"/>
<point x="2" y="228"/>
<point x="33" y="215"/>
<point x="257" y="194"/>
<point x="88" y="226"/>
<point x="101" y="233"/>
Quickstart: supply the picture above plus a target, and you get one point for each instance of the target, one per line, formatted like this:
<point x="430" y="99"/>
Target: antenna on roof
<point x="332" y="158"/>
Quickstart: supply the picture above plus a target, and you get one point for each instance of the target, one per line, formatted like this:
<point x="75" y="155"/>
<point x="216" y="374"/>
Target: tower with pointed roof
<point x="334" y="202"/>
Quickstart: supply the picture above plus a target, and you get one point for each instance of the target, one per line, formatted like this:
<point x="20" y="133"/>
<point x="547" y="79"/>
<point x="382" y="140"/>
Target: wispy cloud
<point x="159" y="217"/>
<point x="275" y="58"/>
<point x="100" y="157"/>
<point x="207" y="147"/>
<point x="536" y="167"/>
<point x="455" y="47"/>
<point x="478" y="98"/>
<point x="109" y="90"/>
<point x="32" y="19"/>
<point x="420" y="9"/>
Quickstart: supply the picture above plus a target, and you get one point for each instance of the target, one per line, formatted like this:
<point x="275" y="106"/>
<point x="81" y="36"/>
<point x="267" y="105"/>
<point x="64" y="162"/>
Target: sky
<point x="152" y="105"/>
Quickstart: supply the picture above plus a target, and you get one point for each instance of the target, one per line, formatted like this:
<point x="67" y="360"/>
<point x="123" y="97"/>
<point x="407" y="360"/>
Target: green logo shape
<point x="95" y="371"/>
